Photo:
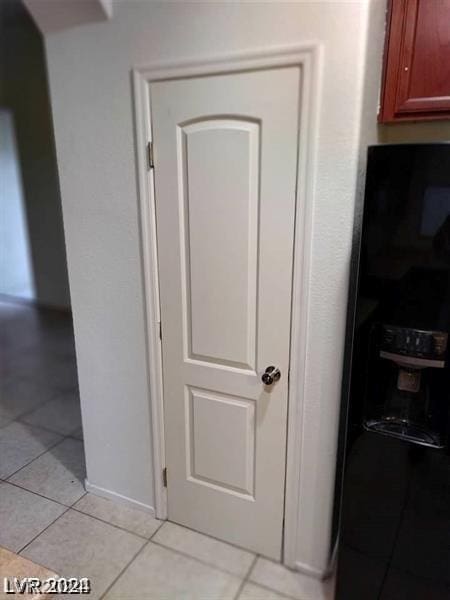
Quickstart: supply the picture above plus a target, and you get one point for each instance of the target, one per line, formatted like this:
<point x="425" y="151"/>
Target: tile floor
<point x="47" y="518"/>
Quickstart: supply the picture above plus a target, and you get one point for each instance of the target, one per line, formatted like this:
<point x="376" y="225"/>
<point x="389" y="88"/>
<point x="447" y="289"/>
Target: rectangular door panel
<point x="221" y="456"/>
<point x="225" y="180"/>
<point x="220" y="239"/>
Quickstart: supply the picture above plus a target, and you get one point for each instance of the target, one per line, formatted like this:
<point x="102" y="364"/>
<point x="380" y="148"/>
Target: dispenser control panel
<point x="413" y="342"/>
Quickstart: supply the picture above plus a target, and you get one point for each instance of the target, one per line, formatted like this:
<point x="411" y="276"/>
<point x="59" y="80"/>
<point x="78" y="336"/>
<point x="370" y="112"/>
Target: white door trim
<point x="308" y="57"/>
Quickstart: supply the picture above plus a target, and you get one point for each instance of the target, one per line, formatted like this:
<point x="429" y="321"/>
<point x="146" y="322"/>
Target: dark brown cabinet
<point x="416" y="74"/>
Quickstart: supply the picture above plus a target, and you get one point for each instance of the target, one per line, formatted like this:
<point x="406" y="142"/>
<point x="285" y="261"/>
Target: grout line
<point x="36" y="457"/>
<point x="20" y="418"/>
<point x="73" y="437"/>
<point x="32" y="410"/>
<point x="123" y="570"/>
<point x="211" y="537"/>
<point x="40" y="533"/>
<point x="72" y="507"/>
<point x="274" y="591"/>
<point x="78" y="499"/>
<point x="44" y="428"/>
<point x="18" y="485"/>
<point x="52" y="396"/>
<point x="17" y="418"/>
<point x="266" y="587"/>
<point x="251" y="567"/>
<point x="146" y="541"/>
<point x="8" y="423"/>
<point x="41" y="405"/>
<point x="68" y="508"/>
<point x="156" y="531"/>
<point x="139" y="535"/>
<point x="199" y="560"/>
<point x="244" y="581"/>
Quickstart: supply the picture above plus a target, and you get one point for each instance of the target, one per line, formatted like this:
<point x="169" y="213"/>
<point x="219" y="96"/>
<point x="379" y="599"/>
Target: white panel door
<point x="225" y="179"/>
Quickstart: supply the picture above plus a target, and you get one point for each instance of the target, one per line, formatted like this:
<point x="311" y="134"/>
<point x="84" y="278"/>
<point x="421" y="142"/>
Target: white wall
<point x="89" y="71"/>
<point x="16" y="273"/>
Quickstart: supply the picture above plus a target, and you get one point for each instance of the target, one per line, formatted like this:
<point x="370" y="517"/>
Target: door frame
<point x="308" y="57"/>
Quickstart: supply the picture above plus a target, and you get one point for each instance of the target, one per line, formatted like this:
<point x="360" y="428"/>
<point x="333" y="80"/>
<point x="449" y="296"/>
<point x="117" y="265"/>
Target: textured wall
<point x="89" y="70"/>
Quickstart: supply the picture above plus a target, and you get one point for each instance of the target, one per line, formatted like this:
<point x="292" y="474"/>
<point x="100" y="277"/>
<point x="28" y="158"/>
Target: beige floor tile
<point x="77" y="545"/>
<point x="136" y="521"/>
<point x="47" y="368"/>
<point x="158" y="573"/>
<point x="297" y="585"/>
<point x="251" y="591"/>
<point x="215" y="553"/>
<point x="23" y="516"/>
<point x="58" y="474"/>
<point x="13" y="565"/>
<point x="61" y="414"/>
<point x="21" y="443"/>
<point x="18" y="396"/>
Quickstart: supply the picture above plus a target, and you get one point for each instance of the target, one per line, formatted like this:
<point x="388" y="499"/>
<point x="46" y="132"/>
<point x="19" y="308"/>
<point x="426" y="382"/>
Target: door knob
<point x="270" y="375"/>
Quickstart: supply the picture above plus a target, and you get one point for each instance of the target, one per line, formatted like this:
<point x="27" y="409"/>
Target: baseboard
<point x="311" y="572"/>
<point x="99" y="491"/>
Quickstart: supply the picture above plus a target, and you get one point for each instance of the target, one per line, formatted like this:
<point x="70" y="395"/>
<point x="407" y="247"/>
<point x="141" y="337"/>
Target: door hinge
<point x="151" y="164"/>
<point x="164" y="476"/>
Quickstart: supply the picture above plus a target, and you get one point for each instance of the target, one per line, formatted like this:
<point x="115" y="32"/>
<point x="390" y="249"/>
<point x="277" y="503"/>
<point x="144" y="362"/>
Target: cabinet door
<point x="416" y="82"/>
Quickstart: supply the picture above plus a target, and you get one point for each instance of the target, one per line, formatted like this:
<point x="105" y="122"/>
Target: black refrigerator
<point x="392" y="510"/>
